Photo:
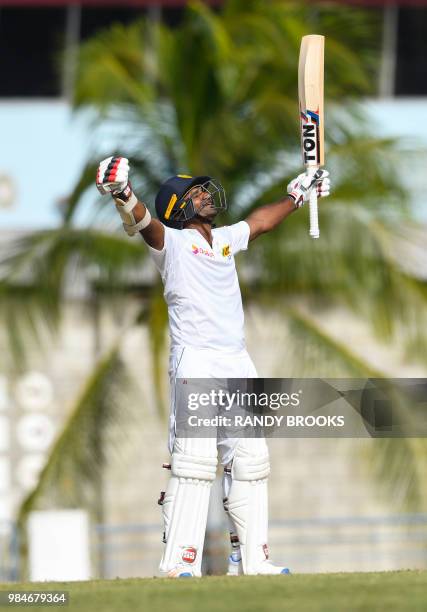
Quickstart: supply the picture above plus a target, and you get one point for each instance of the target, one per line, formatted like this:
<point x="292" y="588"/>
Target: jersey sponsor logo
<point x="226" y="251"/>
<point x="200" y="251"/>
<point x="189" y="554"/>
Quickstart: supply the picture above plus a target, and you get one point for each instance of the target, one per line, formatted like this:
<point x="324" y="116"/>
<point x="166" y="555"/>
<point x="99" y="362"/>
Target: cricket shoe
<point x="180" y="572"/>
<point x="266" y="568"/>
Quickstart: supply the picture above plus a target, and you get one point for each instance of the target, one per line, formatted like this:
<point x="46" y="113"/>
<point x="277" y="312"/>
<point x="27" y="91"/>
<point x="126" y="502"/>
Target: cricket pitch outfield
<point x="372" y="592"/>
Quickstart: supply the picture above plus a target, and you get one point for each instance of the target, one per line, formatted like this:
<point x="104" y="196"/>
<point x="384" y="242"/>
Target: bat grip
<point x="314" y="219"/>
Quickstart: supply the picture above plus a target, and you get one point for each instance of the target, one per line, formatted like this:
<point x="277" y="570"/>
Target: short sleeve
<point x="163" y="257"/>
<point x="239" y="236"/>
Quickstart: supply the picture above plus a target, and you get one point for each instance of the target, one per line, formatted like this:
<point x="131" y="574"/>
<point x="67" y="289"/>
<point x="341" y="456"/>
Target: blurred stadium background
<point x="83" y="349"/>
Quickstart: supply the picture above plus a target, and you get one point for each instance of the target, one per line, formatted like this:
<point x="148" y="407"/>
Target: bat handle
<point x="314" y="219"/>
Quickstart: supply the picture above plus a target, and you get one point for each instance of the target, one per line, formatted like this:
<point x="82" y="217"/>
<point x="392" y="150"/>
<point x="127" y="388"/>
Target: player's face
<point x="202" y="202"/>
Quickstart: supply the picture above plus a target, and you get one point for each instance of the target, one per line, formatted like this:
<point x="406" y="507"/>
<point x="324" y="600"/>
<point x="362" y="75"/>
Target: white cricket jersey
<point x="201" y="287"/>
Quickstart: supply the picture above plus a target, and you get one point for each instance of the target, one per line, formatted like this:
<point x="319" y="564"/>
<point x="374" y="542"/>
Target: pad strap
<point x="187" y="466"/>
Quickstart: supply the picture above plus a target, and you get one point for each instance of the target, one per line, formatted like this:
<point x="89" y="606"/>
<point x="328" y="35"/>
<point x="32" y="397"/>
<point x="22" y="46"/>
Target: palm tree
<point x="218" y="94"/>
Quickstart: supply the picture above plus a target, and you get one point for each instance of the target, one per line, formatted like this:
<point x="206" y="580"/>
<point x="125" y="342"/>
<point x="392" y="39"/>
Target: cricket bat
<point x="310" y="93"/>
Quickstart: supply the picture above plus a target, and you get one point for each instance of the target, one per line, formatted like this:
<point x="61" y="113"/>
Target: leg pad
<point x="185" y="510"/>
<point x="247" y="503"/>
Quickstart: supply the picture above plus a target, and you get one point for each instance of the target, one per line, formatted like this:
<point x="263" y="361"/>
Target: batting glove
<point x="299" y="189"/>
<point x="113" y="175"/>
<point x="113" y="178"/>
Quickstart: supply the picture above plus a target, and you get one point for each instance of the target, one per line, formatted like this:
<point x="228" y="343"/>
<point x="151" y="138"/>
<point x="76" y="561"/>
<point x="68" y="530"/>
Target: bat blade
<point x="310" y="93"/>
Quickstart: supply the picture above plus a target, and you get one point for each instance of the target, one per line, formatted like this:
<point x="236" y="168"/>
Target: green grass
<point x="370" y="592"/>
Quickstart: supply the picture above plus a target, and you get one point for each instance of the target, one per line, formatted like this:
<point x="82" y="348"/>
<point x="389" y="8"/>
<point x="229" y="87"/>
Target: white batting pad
<point x="247" y="503"/>
<point x="185" y="511"/>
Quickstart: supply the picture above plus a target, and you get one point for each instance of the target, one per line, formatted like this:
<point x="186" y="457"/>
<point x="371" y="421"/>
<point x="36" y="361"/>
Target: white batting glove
<point x="113" y="175"/>
<point x="113" y="178"/>
<point x="299" y="189"/>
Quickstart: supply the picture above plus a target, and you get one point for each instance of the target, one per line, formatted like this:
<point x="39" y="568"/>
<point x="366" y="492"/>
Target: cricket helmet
<point x="173" y="209"/>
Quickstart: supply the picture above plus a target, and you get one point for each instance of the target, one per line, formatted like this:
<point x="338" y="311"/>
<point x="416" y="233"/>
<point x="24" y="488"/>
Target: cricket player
<point x="201" y="288"/>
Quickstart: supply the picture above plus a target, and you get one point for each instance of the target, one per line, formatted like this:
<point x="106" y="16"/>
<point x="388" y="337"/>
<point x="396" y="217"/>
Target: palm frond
<point x="85" y="181"/>
<point x="72" y="474"/>
<point x="53" y="257"/>
<point x="218" y="95"/>
<point x="28" y="311"/>
<point x="157" y="324"/>
<point x="315" y="353"/>
<point x="399" y="466"/>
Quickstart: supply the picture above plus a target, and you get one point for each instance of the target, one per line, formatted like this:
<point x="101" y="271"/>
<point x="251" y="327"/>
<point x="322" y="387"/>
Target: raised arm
<point x="154" y="232"/>
<point x="113" y="178"/>
<point x="268" y="217"/>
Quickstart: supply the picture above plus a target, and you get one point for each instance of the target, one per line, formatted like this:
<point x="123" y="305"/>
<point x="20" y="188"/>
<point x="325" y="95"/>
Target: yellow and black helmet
<point x="173" y="209"/>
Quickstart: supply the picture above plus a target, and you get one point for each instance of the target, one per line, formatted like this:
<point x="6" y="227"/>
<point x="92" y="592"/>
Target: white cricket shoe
<point x="266" y="568"/>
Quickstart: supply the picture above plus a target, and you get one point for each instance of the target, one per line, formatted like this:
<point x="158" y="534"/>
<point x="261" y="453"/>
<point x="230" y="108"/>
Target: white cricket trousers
<point x="193" y="468"/>
<point x="188" y="362"/>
